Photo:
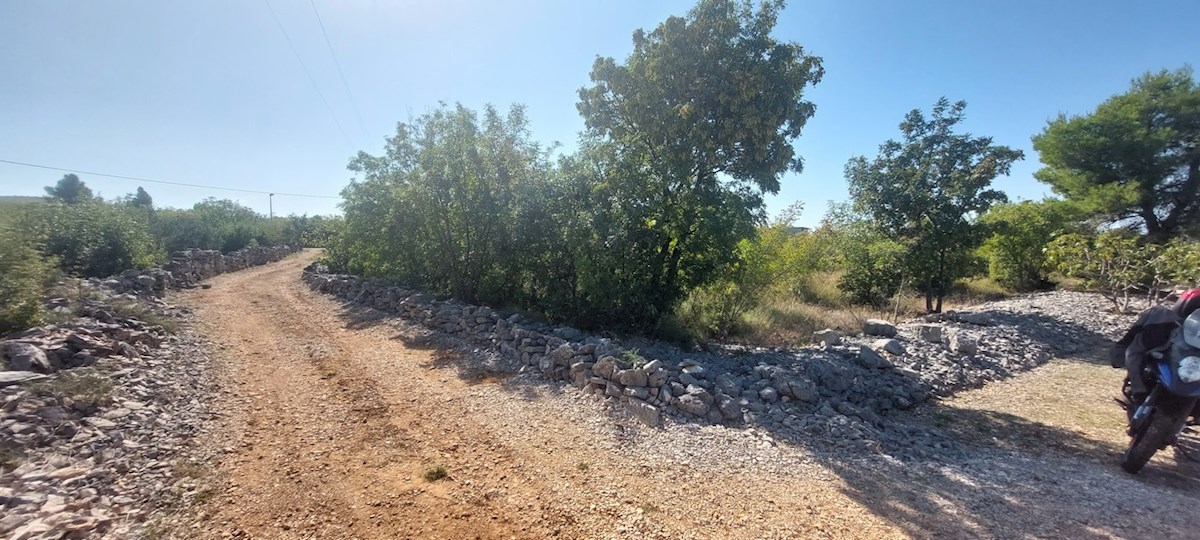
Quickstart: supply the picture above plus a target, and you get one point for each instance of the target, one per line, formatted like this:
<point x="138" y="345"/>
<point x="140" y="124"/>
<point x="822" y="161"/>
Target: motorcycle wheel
<point x="1152" y="439"/>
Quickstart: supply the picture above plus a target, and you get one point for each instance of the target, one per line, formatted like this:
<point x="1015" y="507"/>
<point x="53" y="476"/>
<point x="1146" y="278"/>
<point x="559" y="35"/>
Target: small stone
<point x="26" y="357"/>
<point x="879" y="327"/>
<point x="693" y="405"/>
<point x="828" y="337"/>
<point x="696" y="371"/>
<point x="769" y="395"/>
<point x="963" y="342"/>
<point x="929" y="332"/>
<point x="871" y="359"/>
<point x="605" y="366"/>
<point x="632" y="377"/>
<point x="892" y="346"/>
<point x="648" y="414"/>
<point x="8" y="378"/>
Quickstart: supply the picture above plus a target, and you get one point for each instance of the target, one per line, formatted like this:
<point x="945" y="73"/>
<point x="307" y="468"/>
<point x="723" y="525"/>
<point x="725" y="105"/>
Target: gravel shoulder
<point x="333" y="414"/>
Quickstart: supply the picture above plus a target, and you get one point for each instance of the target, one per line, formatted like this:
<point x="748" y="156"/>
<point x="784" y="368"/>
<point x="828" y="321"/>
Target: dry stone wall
<point x="854" y="384"/>
<point x="189" y="267"/>
<point x="841" y="391"/>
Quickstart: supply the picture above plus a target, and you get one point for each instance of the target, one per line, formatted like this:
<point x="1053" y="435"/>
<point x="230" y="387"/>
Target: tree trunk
<point x="1184" y="201"/>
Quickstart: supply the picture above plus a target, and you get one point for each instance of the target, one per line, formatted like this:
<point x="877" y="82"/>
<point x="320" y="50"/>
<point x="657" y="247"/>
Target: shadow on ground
<point x="988" y="475"/>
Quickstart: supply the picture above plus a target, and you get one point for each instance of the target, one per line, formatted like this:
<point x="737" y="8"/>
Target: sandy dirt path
<point x="333" y="416"/>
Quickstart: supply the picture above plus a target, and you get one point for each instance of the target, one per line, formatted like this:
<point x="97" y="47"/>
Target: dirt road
<point x="335" y="416"/>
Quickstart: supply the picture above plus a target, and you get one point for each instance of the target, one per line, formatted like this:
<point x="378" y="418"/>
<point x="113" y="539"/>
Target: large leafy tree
<point x="1136" y="158"/>
<point x="700" y="117"/>
<point x="438" y="208"/>
<point x="927" y="190"/>
<point x="1016" y="248"/>
<point x="70" y="189"/>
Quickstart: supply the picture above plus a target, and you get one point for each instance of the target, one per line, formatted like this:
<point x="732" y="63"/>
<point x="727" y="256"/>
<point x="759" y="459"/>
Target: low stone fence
<point x="841" y="389"/>
<point x="647" y="388"/>
<point x="188" y="267"/>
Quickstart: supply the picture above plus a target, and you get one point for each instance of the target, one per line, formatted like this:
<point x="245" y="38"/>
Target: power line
<point x="306" y="71"/>
<point x="338" y="65"/>
<point x="92" y="173"/>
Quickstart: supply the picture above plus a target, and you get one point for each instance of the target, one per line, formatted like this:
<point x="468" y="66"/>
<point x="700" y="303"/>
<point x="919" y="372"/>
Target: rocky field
<point x="304" y="417"/>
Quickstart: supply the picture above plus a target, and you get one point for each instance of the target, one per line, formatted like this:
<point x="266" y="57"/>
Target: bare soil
<point x="333" y="417"/>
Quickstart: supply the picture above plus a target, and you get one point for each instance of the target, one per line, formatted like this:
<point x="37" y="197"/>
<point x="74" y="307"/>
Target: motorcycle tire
<point x="1155" y="437"/>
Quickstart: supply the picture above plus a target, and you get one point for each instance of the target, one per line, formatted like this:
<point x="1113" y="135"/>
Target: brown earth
<point x="333" y="417"/>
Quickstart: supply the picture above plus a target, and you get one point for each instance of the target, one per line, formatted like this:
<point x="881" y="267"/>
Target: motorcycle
<point x="1172" y="373"/>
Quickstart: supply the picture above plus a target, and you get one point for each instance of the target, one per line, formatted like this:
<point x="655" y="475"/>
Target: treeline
<point x="682" y="141"/>
<point x="658" y="220"/>
<point x="72" y="231"/>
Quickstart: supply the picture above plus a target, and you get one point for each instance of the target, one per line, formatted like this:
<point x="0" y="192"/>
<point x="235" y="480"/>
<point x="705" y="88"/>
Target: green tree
<point x="141" y="199"/>
<point x="1136" y="157"/>
<point x="700" y="117"/>
<point x="219" y="224"/>
<point x="926" y="192"/>
<point x="1112" y="263"/>
<point x="25" y="276"/>
<point x="438" y="208"/>
<point x="93" y="238"/>
<point x="1019" y="233"/>
<point x="70" y="189"/>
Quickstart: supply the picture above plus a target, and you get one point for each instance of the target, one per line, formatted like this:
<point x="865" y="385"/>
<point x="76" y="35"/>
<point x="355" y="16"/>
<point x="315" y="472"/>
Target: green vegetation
<point x="656" y="223"/>
<point x="1117" y="265"/>
<point x="71" y="231"/>
<point x="433" y="474"/>
<point x="1016" y="250"/>
<point x="658" y="201"/>
<point x="1134" y="159"/>
<point x="925" y="191"/>
<point x="76" y="388"/>
<point x="25" y="276"/>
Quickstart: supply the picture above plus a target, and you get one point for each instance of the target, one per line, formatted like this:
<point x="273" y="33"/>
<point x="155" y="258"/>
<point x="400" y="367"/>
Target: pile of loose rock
<point x="96" y="412"/>
<point x="840" y="390"/>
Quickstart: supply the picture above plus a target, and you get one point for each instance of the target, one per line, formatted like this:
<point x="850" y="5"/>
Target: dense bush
<point x="25" y="276"/>
<point x="1123" y="267"/>
<point x="218" y="224"/>
<point x="92" y="238"/>
<point x="1016" y="250"/>
<point x="439" y="210"/>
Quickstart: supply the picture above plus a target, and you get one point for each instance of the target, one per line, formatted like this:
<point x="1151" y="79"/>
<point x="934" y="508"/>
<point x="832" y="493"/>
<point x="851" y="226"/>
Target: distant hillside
<point x="18" y="199"/>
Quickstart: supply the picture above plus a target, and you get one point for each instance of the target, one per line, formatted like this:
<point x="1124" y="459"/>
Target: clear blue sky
<point x="210" y="93"/>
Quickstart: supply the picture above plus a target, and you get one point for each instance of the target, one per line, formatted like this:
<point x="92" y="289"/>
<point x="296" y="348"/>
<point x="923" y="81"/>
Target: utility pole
<point x="271" y="205"/>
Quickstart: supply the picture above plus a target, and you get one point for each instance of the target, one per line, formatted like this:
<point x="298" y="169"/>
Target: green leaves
<point x="1019" y="234"/>
<point x="694" y="127"/>
<point x="440" y="208"/>
<point x="1135" y="158"/>
<point x="926" y="192"/>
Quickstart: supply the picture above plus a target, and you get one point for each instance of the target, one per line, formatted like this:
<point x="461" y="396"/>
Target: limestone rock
<point x="889" y="345"/>
<point x="632" y="377"/>
<point x="8" y="378"/>
<point x="606" y="366"/>
<point x="929" y="332"/>
<point x="828" y="337"/>
<point x="648" y="414"/>
<point x="879" y="327"/>
<point x="963" y="342"/>
<point x="871" y="359"/>
<point x="26" y="357"/>
<point x="693" y="405"/>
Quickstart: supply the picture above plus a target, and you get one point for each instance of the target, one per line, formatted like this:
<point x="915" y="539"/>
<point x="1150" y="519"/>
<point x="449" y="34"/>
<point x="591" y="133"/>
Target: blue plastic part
<point x="1166" y="377"/>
